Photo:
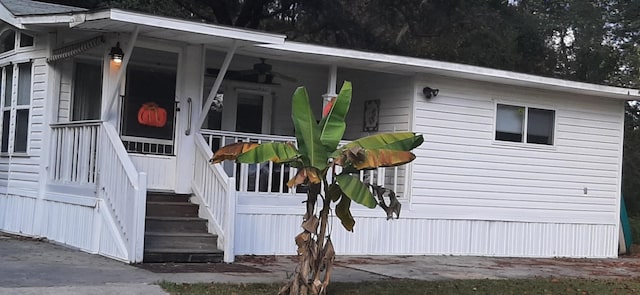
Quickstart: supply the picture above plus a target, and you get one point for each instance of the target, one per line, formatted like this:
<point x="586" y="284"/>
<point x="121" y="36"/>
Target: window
<point x="7" y="41"/>
<point x="16" y="102"/>
<point x="524" y="124"/>
<point x="9" y="38"/>
<point x="87" y="91"/>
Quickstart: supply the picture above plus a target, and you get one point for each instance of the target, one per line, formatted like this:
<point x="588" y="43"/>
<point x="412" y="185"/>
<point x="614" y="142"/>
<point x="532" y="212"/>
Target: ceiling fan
<point x="261" y="72"/>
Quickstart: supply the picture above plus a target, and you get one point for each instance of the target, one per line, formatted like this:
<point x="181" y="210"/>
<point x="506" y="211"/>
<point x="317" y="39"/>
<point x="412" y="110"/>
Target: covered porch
<point x="215" y="90"/>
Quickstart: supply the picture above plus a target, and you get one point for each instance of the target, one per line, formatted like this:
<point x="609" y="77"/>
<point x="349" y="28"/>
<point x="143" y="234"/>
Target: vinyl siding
<point x="66" y="81"/>
<point x="462" y="173"/>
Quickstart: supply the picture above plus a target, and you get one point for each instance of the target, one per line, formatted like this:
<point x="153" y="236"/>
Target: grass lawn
<point x="529" y="286"/>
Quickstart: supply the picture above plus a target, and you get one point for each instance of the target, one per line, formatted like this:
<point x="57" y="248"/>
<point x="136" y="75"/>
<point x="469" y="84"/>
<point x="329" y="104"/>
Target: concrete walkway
<point x="29" y="266"/>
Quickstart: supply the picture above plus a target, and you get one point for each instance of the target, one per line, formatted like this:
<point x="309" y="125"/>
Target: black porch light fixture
<point x="116" y="54"/>
<point x="430" y="92"/>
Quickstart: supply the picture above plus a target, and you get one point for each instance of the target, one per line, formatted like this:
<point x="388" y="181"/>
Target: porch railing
<point x="272" y="178"/>
<point x="123" y="189"/>
<point x="216" y="190"/>
<point x="74" y="153"/>
<point x="90" y="154"/>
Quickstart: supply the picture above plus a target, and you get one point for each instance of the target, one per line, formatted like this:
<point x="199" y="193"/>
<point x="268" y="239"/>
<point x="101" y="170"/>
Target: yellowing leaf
<point x="303" y="174"/>
<point x="278" y="152"/>
<point x="232" y="151"/>
<point x="383" y="158"/>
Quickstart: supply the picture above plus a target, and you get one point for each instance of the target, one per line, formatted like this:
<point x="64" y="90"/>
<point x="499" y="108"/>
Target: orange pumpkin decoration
<point x="150" y="114"/>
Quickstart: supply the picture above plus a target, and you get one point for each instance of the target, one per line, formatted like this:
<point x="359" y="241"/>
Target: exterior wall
<point x="65" y="68"/>
<point x="25" y="207"/>
<point x="413" y="234"/>
<point x="461" y="173"/>
<point x="395" y="93"/>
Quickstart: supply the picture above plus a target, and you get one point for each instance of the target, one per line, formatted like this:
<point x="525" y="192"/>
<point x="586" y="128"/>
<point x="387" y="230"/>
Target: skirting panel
<point x="69" y="224"/>
<point x="262" y="234"/>
<point x="17" y="214"/>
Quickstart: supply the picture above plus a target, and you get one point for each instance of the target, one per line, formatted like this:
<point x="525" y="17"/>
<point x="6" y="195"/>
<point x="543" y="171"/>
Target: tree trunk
<point x="315" y="254"/>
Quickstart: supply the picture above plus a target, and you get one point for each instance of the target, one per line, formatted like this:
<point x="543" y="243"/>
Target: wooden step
<point x="173" y="240"/>
<point x="167" y="197"/>
<point x="172" y="209"/>
<point x="175" y="224"/>
<point x="182" y="255"/>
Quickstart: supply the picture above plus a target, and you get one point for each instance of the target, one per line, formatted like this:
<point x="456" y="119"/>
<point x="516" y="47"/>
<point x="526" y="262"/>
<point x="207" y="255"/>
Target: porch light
<point x="117" y="54"/>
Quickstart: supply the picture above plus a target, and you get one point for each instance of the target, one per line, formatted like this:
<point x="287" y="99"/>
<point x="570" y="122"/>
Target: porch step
<point x="172" y="209"/>
<point x="167" y="197"/>
<point x="182" y="255"/>
<point x="176" y="224"/>
<point x="175" y="233"/>
<point x="177" y="240"/>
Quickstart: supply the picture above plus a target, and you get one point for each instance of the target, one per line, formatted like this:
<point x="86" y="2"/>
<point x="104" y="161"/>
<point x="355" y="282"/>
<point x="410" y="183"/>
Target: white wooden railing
<point x="217" y="193"/>
<point x="272" y="178"/>
<point x="74" y="151"/>
<point x="123" y="189"/>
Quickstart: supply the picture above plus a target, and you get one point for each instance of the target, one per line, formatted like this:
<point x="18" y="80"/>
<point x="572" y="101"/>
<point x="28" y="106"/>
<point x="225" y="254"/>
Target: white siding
<point x="462" y="173"/>
<point x="17" y="214"/>
<point x="413" y="234"/>
<point x="66" y="80"/>
<point x="395" y="93"/>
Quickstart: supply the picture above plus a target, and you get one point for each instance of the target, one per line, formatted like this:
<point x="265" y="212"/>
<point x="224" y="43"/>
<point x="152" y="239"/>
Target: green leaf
<point x="353" y="188"/>
<point x="278" y="152"/>
<point x="398" y="141"/>
<point x="334" y="192"/>
<point x="333" y="125"/>
<point x="307" y="130"/>
<point x="343" y="212"/>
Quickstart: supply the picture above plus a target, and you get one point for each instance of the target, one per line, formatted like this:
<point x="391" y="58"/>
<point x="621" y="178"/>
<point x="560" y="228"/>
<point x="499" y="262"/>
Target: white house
<point x="512" y="164"/>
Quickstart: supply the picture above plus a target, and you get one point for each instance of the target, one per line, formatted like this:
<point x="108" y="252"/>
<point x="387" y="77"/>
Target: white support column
<point x="114" y="87"/>
<point x="331" y="87"/>
<point x="217" y="83"/>
<point x="192" y="64"/>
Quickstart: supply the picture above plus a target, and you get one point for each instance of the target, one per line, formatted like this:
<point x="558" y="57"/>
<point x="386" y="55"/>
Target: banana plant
<point x="331" y="173"/>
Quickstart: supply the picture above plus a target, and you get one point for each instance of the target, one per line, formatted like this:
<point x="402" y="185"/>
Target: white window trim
<point x="13" y="108"/>
<point x="524" y="144"/>
<point x="16" y="44"/>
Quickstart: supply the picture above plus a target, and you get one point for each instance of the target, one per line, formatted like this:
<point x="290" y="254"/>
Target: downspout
<point x="115" y="88"/>
<point x="217" y="83"/>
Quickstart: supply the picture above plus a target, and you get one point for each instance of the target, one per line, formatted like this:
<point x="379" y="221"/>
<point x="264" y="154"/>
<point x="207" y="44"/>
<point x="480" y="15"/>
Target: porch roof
<point x="416" y="66"/>
<point x="151" y="26"/>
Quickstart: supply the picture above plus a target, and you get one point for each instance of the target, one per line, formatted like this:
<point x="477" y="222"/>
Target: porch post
<point x="114" y="87"/>
<point x="217" y="83"/>
<point x="331" y="87"/>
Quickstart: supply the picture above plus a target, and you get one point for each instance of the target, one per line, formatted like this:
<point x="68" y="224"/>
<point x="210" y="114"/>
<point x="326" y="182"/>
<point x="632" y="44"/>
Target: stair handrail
<point x="217" y="192"/>
<point x="124" y="190"/>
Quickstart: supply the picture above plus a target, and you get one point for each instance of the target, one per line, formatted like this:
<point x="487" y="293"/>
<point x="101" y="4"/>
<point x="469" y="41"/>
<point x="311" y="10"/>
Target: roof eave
<point x="412" y="66"/>
<point x="181" y="25"/>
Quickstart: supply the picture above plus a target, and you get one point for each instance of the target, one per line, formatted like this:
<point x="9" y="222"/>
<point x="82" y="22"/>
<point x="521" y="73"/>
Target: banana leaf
<point x="333" y="125"/>
<point x="307" y="131"/>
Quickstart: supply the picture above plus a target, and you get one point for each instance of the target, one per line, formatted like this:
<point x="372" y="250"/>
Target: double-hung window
<point x="518" y="123"/>
<point x="16" y="103"/>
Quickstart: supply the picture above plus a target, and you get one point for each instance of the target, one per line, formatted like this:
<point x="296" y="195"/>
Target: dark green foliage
<point x="631" y="160"/>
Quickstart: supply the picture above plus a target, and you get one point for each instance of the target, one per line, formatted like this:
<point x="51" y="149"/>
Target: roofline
<point x="180" y="24"/>
<point x="457" y="70"/>
<point x="80" y="17"/>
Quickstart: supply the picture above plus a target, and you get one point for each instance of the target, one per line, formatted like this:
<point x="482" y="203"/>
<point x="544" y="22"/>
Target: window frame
<point x="13" y="109"/>
<point x="525" y="125"/>
<point x="16" y="42"/>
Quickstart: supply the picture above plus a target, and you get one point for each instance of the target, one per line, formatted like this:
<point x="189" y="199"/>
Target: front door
<point x="149" y="113"/>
